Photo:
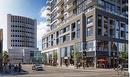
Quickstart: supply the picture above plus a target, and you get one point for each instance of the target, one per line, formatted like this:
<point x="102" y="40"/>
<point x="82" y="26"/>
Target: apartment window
<point x="102" y="45"/>
<point x="112" y="27"/>
<point x="89" y="20"/>
<point x="89" y="8"/>
<point x="122" y="34"/>
<point x="99" y="25"/>
<point x="78" y="29"/>
<point x="61" y="39"/>
<point x="105" y="26"/>
<point x="101" y="3"/>
<point x="117" y="24"/>
<point x="73" y="26"/>
<point x="117" y="34"/>
<point x="126" y="27"/>
<point x="89" y="31"/>
<point x="64" y="30"/>
<point x="67" y="28"/>
<point x="121" y="47"/>
<point x="123" y="26"/>
<point x="91" y="46"/>
<point x="73" y="35"/>
<point x="67" y="37"/>
<point x="64" y="38"/>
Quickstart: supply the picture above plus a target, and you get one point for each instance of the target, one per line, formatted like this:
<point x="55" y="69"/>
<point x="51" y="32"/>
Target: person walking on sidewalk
<point x="10" y="68"/>
<point x="19" y="67"/>
<point x="78" y="64"/>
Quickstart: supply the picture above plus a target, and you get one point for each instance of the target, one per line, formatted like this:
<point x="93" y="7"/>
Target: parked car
<point x="37" y="67"/>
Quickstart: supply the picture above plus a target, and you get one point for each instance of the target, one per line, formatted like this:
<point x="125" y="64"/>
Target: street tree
<point x="5" y="57"/>
<point x="55" y="57"/>
<point x="44" y="57"/>
<point x="75" y="54"/>
<point x="123" y="55"/>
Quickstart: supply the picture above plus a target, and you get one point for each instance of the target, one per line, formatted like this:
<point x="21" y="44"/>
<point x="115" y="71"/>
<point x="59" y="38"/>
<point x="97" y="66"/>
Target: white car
<point x="37" y="67"/>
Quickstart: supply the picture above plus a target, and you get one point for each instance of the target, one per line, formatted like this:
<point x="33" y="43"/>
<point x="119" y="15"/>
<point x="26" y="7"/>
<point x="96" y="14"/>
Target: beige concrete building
<point x="21" y="38"/>
<point x="97" y="28"/>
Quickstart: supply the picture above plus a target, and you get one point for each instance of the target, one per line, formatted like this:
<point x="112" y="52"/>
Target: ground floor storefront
<point x="65" y="57"/>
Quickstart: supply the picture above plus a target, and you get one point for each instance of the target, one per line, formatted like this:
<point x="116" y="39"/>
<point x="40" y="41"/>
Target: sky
<point x="35" y="9"/>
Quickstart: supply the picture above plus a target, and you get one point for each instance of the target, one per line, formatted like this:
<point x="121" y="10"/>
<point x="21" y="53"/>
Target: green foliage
<point x="123" y="55"/>
<point x="1" y="56"/>
<point x="55" y="56"/>
<point x="5" y="57"/>
<point x="75" y="53"/>
<point x="44" y="56"/>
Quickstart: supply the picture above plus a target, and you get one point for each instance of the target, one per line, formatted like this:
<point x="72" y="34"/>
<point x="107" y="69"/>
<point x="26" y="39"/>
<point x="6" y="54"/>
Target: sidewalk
<point x="81" y="68"/>
<point x="90" y="69"/>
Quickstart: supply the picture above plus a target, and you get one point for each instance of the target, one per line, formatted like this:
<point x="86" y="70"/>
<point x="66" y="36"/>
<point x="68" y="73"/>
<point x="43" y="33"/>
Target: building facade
<point x="98" y="28"/>
<point x="1" y="47"/>
<point x="21" y="38"/>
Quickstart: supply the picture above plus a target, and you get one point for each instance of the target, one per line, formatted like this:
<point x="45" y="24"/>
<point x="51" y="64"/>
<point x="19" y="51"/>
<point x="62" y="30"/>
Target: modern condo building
<point x="21" y="38"/>
<point x="98" y="28"/>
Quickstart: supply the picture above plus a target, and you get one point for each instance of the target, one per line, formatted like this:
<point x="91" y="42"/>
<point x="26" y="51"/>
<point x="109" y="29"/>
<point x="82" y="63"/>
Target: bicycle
<point x="119" y="70"/>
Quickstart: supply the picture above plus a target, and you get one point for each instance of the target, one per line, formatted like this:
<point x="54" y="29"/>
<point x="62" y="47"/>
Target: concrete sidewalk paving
<point x="90" y="69"/>
<point x="81" y="68"/>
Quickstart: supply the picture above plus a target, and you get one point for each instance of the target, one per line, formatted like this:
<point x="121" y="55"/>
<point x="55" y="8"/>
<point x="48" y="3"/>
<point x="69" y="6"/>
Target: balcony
<point x="48" y="2"/>
<point x="48" y="14"/>
<point x="48" y="8"/>
<point x="59" y="8"/>
<point x="60" y="15"/>
<point x="70" y="7"/>
<point x="60" y="2"/>
<point x="69" y="15"/>
<point x="68" y="1"/>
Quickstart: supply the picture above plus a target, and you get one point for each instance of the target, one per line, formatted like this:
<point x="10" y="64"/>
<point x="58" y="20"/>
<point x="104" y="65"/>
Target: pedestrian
<point x="10" y="67"/>
<point x="16" y="68"/>
<point x="77" y="64"/>
<point x="19" y="67"/>
<point x="83" y="65"/>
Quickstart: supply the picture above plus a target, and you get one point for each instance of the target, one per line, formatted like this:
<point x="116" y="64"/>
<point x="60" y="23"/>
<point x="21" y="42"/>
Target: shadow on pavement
<point x="23" y="72"/>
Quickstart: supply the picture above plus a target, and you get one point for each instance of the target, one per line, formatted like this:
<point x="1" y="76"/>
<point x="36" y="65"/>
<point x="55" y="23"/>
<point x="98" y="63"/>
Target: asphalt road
<point x="60" y="72"/>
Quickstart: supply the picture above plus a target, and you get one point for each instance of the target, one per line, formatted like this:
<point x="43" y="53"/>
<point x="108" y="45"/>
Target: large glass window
<point x="105" y="26"/>
<point x="122" y="34"/>
<point x="117" y="34"/>
<point x="126" y="35"/>
<point x="117" y="24"/>
<point x="122" y="27"/>
<point x="89" y="31"/>
<point x="73" y="27"/>
<point x="102" y="45"/>
<point x="101" y="3"/>
<point x="91" y="46"/>
<point x="78" y="29"/>
<point x="99" y="25"/>
<point x="89" y="20"/>
<point x="67" y="37"/>
<point x="121" y="47"/>
<point x="112" y="28"/>
<point x="62" y="52"/>
<point x="126" y="28"/>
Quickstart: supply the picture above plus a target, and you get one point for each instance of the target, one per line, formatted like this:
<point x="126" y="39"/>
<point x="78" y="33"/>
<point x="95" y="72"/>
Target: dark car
<point x="37" y="67"/>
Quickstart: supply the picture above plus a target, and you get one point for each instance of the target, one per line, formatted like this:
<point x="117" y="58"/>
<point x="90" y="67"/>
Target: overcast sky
<point x="29" y="8"/>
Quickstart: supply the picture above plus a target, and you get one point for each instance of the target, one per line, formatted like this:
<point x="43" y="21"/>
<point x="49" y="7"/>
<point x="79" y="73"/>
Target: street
<point x="60" y="72"/>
